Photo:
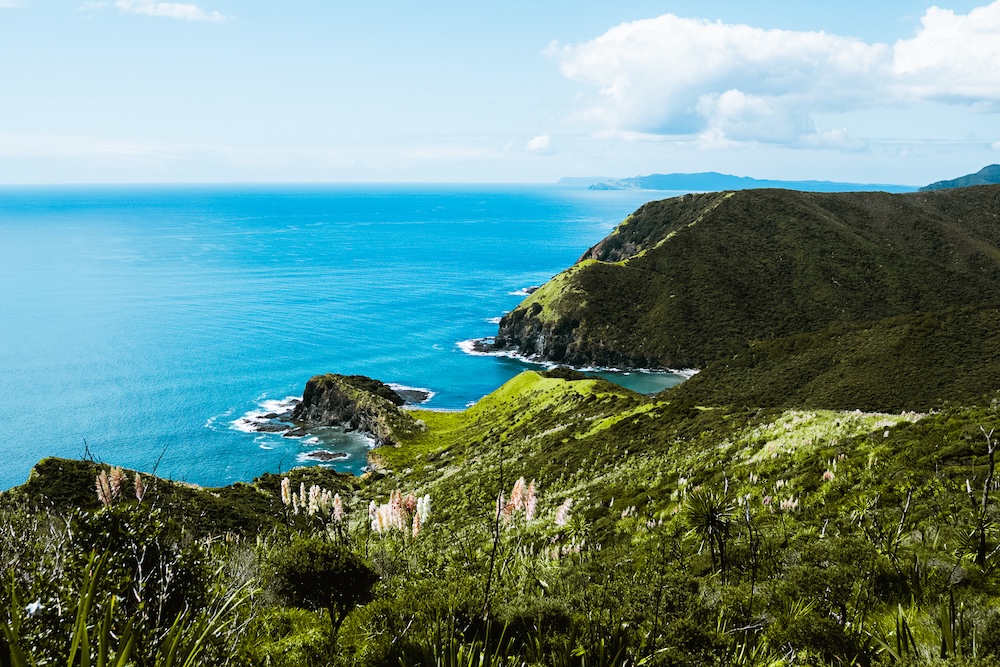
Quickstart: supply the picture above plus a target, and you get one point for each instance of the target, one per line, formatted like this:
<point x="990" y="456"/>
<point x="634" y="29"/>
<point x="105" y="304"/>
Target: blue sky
<point x="897" y="91"/>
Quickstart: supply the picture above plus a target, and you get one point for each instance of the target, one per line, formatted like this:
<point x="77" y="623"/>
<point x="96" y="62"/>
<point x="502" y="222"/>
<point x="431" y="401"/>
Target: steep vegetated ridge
<point x="689" y="280"/>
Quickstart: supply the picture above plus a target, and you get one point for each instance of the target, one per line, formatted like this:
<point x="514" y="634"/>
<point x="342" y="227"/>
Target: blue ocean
<point x="144" y="325"/>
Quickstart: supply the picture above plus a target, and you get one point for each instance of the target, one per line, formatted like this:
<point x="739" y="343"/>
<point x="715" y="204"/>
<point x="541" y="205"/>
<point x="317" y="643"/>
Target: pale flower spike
<point x="140" y="488"/>
<point x="286" y="491"/>
<point x="103" y="488"/>
<point x="115" y="479"/>
<point x="562" y="514"/>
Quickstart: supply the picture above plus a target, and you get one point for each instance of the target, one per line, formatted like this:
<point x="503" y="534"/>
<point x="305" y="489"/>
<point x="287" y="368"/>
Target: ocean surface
<point x="143" y="324"/>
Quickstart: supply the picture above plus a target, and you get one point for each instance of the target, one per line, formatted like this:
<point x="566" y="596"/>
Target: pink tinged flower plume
<point x="140" y="488"/>
<point x="828" y="476"/>
<point x="562" y="514"/>
<point x="530" y="502"/>
<point x="517" y="495"/>
<point x="103" y="488"/>
<point x="338" y="509"/>
<point x="115" y="479"/>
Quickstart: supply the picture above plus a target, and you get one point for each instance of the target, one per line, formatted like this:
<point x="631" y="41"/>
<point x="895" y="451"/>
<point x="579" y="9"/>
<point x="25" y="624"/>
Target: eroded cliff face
<point x="356" y="403"/>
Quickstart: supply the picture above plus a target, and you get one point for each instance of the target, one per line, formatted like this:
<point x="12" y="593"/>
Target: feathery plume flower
<point x="314" y="500"/>
<point x="140" y="488"/>
<point x="562" y="514"/>
<point x="115" y="479"/>
<point x="416" y="524"/>
<point x="530" y="502"/>
<point x="828" y="476"/>
<point x="789" y="505"/>
<point x="303" y="498"/>
<point x="338" y="509"/>
<point x="517" y="495"/>
<point x="103" y="488"/>
<point x="286" y="491"/>
<point x="372" y="509"/>
<point x="410" y="503"/>
<point x="424" y="508"/>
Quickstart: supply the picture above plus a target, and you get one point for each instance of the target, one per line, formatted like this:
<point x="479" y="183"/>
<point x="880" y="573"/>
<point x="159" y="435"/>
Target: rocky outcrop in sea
<point x="356" y="403"/>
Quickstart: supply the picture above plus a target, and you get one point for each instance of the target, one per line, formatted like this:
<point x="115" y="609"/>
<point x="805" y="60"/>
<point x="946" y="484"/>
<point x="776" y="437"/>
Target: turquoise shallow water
<point x="147" y="320"/>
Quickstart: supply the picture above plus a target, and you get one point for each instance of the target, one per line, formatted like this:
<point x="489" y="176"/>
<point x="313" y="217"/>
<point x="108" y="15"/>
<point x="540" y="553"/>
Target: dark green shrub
<point x="315" y="574"/>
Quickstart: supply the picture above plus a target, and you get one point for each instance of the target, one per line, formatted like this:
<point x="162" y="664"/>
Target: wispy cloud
<point x="541" y="145"/>
<point x="12" y="4"/>
<point x="185" y="11"/>
<point x="723" y="83"/>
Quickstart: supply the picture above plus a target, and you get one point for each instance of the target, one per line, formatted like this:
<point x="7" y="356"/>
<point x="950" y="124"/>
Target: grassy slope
<point x="684" y="280"/>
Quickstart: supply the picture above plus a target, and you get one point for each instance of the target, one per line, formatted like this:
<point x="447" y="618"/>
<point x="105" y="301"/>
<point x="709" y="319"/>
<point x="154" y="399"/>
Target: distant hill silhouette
<point x="711" y="181"/>
<point x="986" y="176"/>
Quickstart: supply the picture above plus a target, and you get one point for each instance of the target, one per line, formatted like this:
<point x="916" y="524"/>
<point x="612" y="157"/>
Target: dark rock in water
<point x="485" y="345"/>
<point x="532" y="289"/>
<point x="356" y="403"/>
<point x="413" y="396"/>
<point x="272" y="415"/>
<point x="297" y="432"/>
<point x="326" y="455"/>
<point x="271" y="427"/>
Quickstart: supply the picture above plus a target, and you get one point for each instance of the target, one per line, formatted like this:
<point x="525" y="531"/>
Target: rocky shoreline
<point x="354" y="404"/>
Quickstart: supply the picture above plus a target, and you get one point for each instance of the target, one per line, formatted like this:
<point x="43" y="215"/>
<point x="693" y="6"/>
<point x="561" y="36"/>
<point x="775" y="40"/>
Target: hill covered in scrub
<point x="561" y="520"/>
<point x="908" y="362"/>
<point x="686" y="281"/>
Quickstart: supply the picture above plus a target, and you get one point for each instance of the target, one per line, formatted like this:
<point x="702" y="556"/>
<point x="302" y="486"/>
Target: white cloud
<point x="542" y="144"/>
<point x="185" y="11"/>
<point x="723" y="83"/>
<point x="995" y="146"/>
<point x="953" y="57"/>
<point x="11" y="4"/>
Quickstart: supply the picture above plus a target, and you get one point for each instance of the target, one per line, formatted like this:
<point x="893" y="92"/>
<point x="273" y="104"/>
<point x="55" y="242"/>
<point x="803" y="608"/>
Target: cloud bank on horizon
<point x="720" y="83"/>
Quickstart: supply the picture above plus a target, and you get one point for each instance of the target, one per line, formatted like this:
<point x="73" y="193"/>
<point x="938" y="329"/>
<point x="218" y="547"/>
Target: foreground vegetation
<point x="560" y="521"/>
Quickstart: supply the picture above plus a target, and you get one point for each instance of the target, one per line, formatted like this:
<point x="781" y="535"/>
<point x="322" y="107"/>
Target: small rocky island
<point x="356" y="403"/>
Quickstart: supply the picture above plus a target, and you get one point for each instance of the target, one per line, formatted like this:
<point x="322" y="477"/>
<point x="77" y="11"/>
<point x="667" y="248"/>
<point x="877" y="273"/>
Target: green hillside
<point x="908" y="362"/>
<point x="632" y="531"/>
<point x="688" y="280"/>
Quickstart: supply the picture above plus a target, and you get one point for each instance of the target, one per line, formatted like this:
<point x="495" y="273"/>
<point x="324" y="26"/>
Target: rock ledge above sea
<point x="356" y="403"/>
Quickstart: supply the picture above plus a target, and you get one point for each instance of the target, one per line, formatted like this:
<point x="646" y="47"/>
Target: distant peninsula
<point x="989" y="175"/>
<point x="712" y="181"/>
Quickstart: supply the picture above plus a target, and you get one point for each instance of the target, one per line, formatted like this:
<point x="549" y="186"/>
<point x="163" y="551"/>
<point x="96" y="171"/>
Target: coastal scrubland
<point x="561" y="520"/>
<point x="823" y="492"/>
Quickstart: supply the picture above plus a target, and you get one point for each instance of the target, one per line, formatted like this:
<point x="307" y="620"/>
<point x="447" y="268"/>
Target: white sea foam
<point x="469" y="347"/>
<point x="312" y="441"/>
<point x="262" y="446"/>
<point x="279" y="406"/>
<point x="252" y="419"/>
<point x="246" y="424"/>
<point x="493" y="320"/>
